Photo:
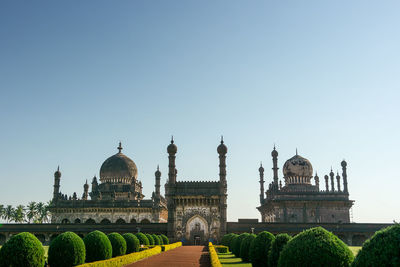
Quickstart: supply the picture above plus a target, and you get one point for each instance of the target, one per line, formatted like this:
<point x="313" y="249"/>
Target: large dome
<point x="118" y="168"/>
<point x="297" y="166"/>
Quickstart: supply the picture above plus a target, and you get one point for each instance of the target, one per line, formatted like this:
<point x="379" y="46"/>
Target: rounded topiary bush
<point x="151" y="239"/>
<point x="142" y="239"/>
<point x="156" y="239"/>
<point x="132" y="243"/>
<point x="315" y="247"/>
<point x="161" y="240"/>
<point x="276" y="248"/>
<point x="245" y="247"/>
<point x="98" y="246"/>
<point x="232" y="241"/>
<point x="66" y="250"/>
<point x="226" y="239"/>
<point x="382" y="249"/>
<point x="118" y="244"/>
<point x="165" y="239"/>
<point x="23" y="249"/>
<point x="237" y="243"/>
<point x="259" y="248"/>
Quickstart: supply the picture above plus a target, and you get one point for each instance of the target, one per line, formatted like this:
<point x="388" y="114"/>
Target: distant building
<point x="300" y="201"/>
<point x="117" y="198"/>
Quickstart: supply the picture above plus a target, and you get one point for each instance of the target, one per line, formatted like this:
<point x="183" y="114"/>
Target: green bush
<point x="98" y="246"/>
<point x="165" y="240"/>
<point x="315" y="247"/>
<point x="23" y="249"/>
<point x="276" y="248"/>
<point x="132" y="243"/>
<point x="156" y="239"/>
<point x="221" y="249"/>
<point x="161" y="240"/>
<point x="226" y="239"/>
<point x="259" y="248"/>
<point x="231" y="242"/>
<point x="237" y="243"/>
<point x="151" y="239"/>
<point x="118" y="244"/>
<point x="142" y="239"/>
<point x="66" y="250"/>
<point x="245" y="247"/>
<point x="382" y="249"/>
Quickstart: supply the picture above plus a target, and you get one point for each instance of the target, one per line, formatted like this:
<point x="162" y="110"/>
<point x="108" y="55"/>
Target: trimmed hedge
<point x="126" y="259"/>
<point x="226" y="239"/>
<point x="66" y="250"/>
<point x="142" y="239"/>
<point x="132" y="243"/>
<point x="171" y="246"/>
<point x="165" y="239"/>
<point x="118" y="244"/>
<point x="276" y="248"/>
<point x="213" y="256"/>
<point x="245" y="247"/>
<point x="161" y="240"/>
<point x="151" y="239"/>
<point x="98" y="246"/>
<point x="231" y="242"/>
<point x="156" y="239"/>
<point x="23" y="249"/>
<point x="237" y="244"/>
<point x="315" y="247"/>
<point x="382" y="249"/>
<point x="259" y="248"/>
<point x="221" y="249"/>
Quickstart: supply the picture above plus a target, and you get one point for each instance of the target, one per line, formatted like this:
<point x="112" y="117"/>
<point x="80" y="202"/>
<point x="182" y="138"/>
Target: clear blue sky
<point x="323" y="76"/>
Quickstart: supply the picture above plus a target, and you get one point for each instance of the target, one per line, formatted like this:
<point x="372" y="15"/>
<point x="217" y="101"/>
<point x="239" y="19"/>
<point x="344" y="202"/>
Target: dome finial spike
<point x="274" y="147"/>
<point x="296" y="152"/>
<point x="172" y="139"/>
<point x="222" y="139"/>
<point x="119" y="147"/>
<point x="58" y="168"/>
<point x="158" y="167"/>
<point x="260" y="163"/>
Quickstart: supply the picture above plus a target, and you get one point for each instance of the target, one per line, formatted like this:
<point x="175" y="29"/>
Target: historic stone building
<point x="196" y="209"/>
<point x="300" y="201"/>
<point x="117" y="198"/>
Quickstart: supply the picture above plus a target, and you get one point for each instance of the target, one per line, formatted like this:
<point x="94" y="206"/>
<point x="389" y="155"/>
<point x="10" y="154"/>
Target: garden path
<point x="185" y="256"/>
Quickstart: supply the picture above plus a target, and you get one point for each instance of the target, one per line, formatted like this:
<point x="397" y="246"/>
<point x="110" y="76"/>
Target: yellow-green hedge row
<point x="221" y="249"/>
<point x="171" y="246"/>
<point x="126" y="259"/>
<point x="213" y="256"/>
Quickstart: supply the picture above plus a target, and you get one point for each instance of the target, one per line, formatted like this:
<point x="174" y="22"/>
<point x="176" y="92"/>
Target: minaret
<point x="158" y="179"/>
<point x="170" y="189"/>
<point x="261" y="170"/>
<point x="316" y="180"/>
<point x="222" y="150"/>
<point x="344" y="174"/>
<point x="275" y="168"/>
<point x="332" y="181"/>
<point x="338" y="181"/>
<point x="57" y="176"/>
<point x="85" y="191"/>
<point x="172" y="149"/>
<point x="326" y="183"/>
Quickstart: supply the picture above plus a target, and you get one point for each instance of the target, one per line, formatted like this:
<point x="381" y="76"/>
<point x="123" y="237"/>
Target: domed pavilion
<point x="300" y="199"/>
<point x="117" y="198"/>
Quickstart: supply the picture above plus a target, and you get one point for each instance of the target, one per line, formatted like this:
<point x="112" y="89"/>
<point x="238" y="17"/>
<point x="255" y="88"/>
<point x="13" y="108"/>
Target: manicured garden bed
<point x="229" y="259"/>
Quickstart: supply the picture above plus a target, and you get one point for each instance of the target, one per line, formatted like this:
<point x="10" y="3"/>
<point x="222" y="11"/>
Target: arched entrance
<point x="196" y="230"/>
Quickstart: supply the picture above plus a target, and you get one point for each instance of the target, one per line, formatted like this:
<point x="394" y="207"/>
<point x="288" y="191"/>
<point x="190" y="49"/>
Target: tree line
<point x="34" y="212"/>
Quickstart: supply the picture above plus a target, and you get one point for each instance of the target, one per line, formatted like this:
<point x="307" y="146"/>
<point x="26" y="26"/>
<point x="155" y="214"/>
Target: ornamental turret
<point x="344" y="174"/>
<point x="222" y="150"/>
<point x="275" y="168"/>
<point x="338" y="181"/>
<point x="57" y="177"/>
<point x="261" y="171"/>
<point x="157" y="175"/>
<point x="316" y="178"/>
<point x="172" y="172"/>
<point x="85" y="191"/>
<point x="326" y="183"/>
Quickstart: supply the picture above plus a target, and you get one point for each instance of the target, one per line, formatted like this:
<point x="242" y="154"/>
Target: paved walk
<point x="186" y="256"/>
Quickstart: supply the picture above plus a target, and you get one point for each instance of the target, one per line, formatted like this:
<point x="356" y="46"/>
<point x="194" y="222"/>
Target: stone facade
<point x="117" y="199"/>
<point x="300" y="201"/>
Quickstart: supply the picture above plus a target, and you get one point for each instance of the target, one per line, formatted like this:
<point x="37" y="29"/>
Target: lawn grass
<point x="230" y="260"/>
<point x="354" y="249"/>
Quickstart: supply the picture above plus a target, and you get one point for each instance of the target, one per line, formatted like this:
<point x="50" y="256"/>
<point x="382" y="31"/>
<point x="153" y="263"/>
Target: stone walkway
<point x="185" y="256"/>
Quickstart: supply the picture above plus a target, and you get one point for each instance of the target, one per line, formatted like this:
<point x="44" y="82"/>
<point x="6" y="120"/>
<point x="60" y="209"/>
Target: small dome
<point x="222" y="149"/>
<point x="158" y="173"/>
<point x="274" y="153"/>
<point x="344" y="163"/>
<point x="172" y="148"/>
<point x="297" y="166"/>
<point x="261" y="169"/>
<point x="57" y="174"/>
<point x="118" y="168"/>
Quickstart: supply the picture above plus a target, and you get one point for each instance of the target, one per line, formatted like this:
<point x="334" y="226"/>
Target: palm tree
<point x="9" y="213"/>
<point x="31" y="211"/>
<point x="43" y="212"/>
<point x="19" y="214"/>
<point x="1" y="211"/>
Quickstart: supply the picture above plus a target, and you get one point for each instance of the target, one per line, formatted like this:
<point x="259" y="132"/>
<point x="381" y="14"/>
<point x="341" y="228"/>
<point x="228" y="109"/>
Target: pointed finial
<point x="172" y="139"/>
<point x="316" y="174"/>
<point x="58" y="168"/>
<point x="296" y="151"/>
<point x="222" y="139"/>
<point x="119" y="147"/>
<point x="158" y="167"/>
<point x="86" y="181"/>
<point x="274" y="147"/>
<point x="260" y="163"/>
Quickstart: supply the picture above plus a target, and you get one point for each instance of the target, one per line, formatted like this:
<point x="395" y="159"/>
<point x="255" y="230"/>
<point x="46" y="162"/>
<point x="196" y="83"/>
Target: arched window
<point x="65" y="221"/>
<point x="90" y="221"/>
<point x="120" y="221"/>
<point x="133" y="220"/>
<point x="145" y="221"/>
<point x="77" y="220"/>
<point x="105" y="221"/>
